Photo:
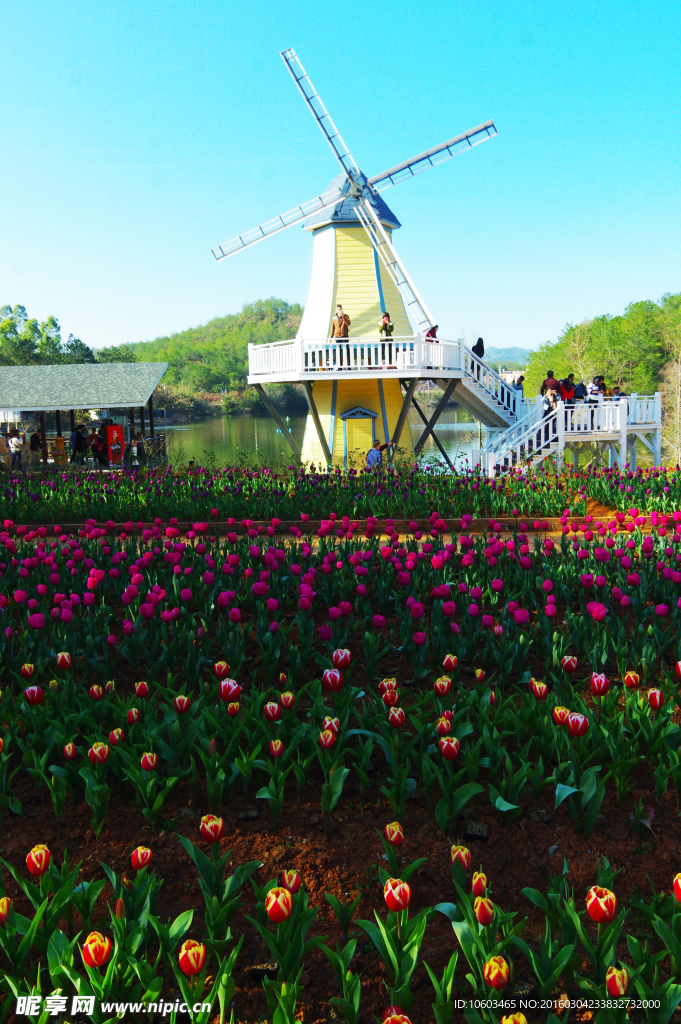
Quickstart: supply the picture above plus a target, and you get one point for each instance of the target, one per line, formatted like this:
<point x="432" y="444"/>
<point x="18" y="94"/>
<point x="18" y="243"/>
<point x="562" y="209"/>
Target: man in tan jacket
<point x="340" y="324"/>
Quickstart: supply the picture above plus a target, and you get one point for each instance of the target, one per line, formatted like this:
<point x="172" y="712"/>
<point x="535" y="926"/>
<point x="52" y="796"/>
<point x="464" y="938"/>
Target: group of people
<point x="566" y="390"/>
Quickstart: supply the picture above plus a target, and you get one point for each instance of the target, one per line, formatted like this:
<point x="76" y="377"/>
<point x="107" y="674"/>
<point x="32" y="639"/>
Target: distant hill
<point x="514" y="354"/>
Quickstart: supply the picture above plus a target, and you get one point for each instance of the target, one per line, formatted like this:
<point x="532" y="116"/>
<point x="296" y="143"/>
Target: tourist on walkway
<point x="374" y="457"/>
<point x="34" y="448"/>
<point x="549" y="382"/>
<point x="15" y="443"/>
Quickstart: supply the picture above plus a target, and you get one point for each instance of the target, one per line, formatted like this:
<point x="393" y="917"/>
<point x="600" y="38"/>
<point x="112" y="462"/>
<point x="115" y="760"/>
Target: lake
<point x="230" y="438"/>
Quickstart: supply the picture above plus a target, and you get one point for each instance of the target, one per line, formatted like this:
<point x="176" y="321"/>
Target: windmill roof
<point x="78" y="386"/>
<point x="345" y="211"/>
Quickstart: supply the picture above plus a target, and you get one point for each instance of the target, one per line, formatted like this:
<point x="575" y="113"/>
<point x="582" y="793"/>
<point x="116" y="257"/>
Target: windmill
<point x="349" y="386"/>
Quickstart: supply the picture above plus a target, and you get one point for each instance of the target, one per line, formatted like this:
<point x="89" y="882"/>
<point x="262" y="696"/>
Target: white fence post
<point x="560" y="432"/>
<point x="623" y="410"/>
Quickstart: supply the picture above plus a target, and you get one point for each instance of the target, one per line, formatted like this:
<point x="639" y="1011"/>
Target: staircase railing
<point x="536" y="436"/>
<point x="490" y="382"/>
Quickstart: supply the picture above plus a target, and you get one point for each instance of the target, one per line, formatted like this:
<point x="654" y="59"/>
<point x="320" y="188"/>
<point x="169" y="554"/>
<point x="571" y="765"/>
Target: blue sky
<point x="139" y="135"/>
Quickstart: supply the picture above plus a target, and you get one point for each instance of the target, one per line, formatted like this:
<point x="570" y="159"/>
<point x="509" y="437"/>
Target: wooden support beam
<point x="43" y="438"/>
<point x="435" y="417"/>
<point x="151" y="416"/>
<point x="142" y="420"/>
<point x="395" y="440"/>
<point x="57" y="414"/>
<point x="73" y="419"/>
<point x="435" y="438"/>
<point x="277" y="418"/>
<point x="315" y="419"/>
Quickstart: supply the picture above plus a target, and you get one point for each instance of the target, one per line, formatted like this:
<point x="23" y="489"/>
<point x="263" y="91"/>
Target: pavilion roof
<point x="78" y="386"/>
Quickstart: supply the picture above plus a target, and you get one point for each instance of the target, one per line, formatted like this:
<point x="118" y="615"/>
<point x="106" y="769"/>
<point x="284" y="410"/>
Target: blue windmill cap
<point x="345" y="211"/>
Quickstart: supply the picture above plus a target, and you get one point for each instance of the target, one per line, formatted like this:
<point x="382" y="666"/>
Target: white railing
<point x="610" y="419"/>
<point x="399" y="354"/>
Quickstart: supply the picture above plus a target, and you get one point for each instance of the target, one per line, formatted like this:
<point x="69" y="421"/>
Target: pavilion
<point x="53" y="388"/>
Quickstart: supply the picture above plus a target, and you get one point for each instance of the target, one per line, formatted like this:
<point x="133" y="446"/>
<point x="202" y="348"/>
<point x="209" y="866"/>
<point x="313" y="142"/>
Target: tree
<point x="117" y="354"/>
<point x="49" y="344"/>
<point x="19" y="336"/>
<point x="76" y="351"/>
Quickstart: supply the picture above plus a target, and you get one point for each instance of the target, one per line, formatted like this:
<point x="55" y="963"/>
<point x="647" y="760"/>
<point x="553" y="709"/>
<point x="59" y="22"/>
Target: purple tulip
<point x="378" y="622"/>
<point x="20" y="596"/>
<point x="234" y="615"/>
<point x="334" y="613"/>
<point x="128" y="627"/>
<point x="111" y="640"/>
<point x="497" y="586"/>
<point x="147" y="611"/>
<point x="36" y="621"/>
<point x="521" y="616"/>
<point x="325" y="633"/>
<point x="419" y="639"/>
<point x="186" y="594"/>
<point x="416" y="610"/>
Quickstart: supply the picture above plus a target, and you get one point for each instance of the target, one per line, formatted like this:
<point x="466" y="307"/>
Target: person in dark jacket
<point x="479" y="348"/>
<point x="386" y="326"/>
<point x="431" y="335"/>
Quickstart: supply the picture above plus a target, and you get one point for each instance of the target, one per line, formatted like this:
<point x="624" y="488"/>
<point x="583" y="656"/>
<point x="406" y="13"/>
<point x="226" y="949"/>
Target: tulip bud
<point x="181" y="703"/>
<point x="278" y="904"/>
<point x="450" y="662"/>
<point x="341" y="659"/>
<point x="110" y="687"/>
<point x="120" y="909"/>
<point x="394" y="833"/>
<point x="479" y="883"/>
<point x="272" y="711"/>
<point x="600" y="685"/>
<point x="397" y="718"/>
<point x="98" y="753"/>
<point x="479" y="675"/>
<point x="282" y="679"/>
<point x="134" y="715"/>
<point x="38" y="860"/>
<point x="387" y="684"/>
<point x="192" y="957"/>
<point x="212" y="747"/>
<point x="221" y="669"/>
<point x="276" y="748"/>
<point x="64" y="661"/>
<point x="577" y="724"/>
<point x="233" y="709"/>
<point x="495" y="973"/>
<point x="140" y="857"/>
<point x="116" y="736"/>
<point x="96" y="692"/>
<point x="34" y="695"/>
<point x="442" y="686"/>
<point x="617" y="981"/>
<point x="484" y="911"/>
<point x="397" y="894"/>
<point x="149" y="761"/>
<point x="449" y="747"/>
<point x="327" y="738"/>
<point x="5" y="904"/>
<point x="655" y="699"/>
<point x="27" y="670"/>
<point x="462" y="855"/>
<point x="514" y="1018"/>
<point x="601" y="904"/>
<point x="96" y="949"/>
<point x="53" y="686"/>
<point x="229" y="690"/>
<point x="569" y="664"/>
<point x="287" y="700"/>
<point x="212" y="828"/>
<point x="391" y="698"/>
<point x="331" y="723"/>
<point x="141" y="689"/>
<point x="443" y="726"/>
<point x="332" y="680"/>
<point x="70" y="752"/>
<point x="560" y="714"/>
<point x="291" y="880"/>
<point x="632" y="680"/>
<point x="538" y="689"/>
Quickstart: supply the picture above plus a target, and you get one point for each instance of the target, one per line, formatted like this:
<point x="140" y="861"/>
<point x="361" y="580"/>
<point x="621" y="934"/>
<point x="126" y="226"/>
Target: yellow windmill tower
<point x="354" y="383"/>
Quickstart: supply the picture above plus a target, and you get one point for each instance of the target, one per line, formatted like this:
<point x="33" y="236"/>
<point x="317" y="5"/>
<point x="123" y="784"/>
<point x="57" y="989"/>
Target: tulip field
<point x="340" y="774"/>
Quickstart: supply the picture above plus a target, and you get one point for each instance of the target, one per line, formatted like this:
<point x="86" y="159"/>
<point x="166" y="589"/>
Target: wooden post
<point x="151" y="416"/>
<point x="43" y="439"/>
<point x="142" y="420"/>
<point x="623" y="411"/>
<point x="57" y="416"/>
<point x="73" y="420"/>
<point x="131" y="423"/>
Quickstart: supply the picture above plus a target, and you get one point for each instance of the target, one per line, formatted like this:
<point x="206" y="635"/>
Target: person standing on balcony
<point x="479" y="348"/>
<point x="386" y="326"/>
<point x="549" y="382"/>
<point x="431" y="335"/>
<point x="339" y="328"/>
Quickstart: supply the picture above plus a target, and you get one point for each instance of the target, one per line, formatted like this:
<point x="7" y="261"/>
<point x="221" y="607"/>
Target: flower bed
<point x="262" y="494"/>
<point x="336" y="719"/>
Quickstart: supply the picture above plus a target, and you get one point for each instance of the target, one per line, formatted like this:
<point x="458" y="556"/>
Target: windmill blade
<point x="396" y="269"/>
<point x="433" y="157"/>
<point x="321" y="114"/>
<point x="285" y="220"/>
